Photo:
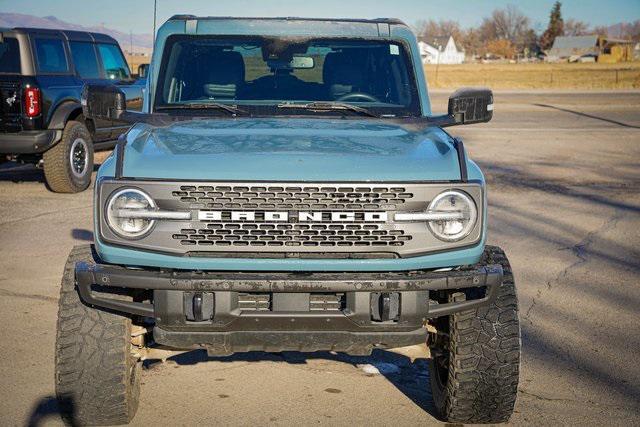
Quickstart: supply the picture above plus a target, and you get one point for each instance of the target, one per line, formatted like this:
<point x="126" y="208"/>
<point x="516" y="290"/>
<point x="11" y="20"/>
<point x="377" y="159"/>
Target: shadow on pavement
<point x="48" y="409"/>
<point x="591" y="116"/>
<point x="18" y="172"/>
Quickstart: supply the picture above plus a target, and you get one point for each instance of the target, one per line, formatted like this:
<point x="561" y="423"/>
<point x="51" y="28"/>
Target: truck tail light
<point x="32" y="99"/>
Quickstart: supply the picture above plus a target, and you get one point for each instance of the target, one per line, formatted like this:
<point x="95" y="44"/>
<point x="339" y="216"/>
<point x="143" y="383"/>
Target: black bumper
<point x="354" y="321"/>
<point x="29" y="142"/>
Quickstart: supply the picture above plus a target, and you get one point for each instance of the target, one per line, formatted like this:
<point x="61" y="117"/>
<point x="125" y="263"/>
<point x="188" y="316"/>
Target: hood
<point x="290" y="149"/>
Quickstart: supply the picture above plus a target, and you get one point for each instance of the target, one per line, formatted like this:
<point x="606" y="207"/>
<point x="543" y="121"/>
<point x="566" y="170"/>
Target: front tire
<point x="68" y="164"/>
<point x="97" y="377"/>
<point x="475" y="356"/>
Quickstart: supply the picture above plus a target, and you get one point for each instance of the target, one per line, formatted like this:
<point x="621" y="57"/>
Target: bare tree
<point x="509" y="24"/>
<point x="574" y="27"/>
<point x="429" y="29"/>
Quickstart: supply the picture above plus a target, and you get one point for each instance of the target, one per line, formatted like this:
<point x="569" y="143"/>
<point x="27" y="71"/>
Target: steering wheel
<point x="358" y="96"/>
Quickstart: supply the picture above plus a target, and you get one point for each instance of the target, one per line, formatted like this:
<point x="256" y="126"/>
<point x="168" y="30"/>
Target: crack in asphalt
<point x="578" y="401"/>
<point x="40" y="215"/>
<point x="8" y="293"/>
<point x="579" y="251"/>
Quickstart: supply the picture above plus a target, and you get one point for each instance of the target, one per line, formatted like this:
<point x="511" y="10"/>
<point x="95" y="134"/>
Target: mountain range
<point x="139" y="43"/>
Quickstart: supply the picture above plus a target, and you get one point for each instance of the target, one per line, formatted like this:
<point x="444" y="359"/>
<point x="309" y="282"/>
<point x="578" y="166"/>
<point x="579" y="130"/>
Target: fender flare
<point x="62" y="113"/>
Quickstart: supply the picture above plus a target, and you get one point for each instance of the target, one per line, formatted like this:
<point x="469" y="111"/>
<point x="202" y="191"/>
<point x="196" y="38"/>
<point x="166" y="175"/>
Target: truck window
<point x="50" y="56"/>
<point x="115" y="67"/>
<point x="264" y="72"/>
<point x="10" y="56"/>
<point x="85" y="60"/>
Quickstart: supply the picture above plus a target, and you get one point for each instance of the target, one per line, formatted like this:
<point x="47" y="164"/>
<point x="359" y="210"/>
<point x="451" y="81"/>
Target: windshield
<point x="263" y="74"/>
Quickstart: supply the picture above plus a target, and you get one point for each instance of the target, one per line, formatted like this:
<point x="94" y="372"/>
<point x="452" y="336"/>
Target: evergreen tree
<point x="555" y="27"/>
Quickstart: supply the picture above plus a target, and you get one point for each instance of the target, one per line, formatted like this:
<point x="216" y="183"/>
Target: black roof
<point x="390" y="21"/>
<point x="70" y="35"/>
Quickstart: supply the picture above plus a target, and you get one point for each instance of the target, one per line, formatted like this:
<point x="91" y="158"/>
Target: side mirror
<point x="471" y="105"/>
<point x="143" y="71"/>
<point x="103" y="102"/>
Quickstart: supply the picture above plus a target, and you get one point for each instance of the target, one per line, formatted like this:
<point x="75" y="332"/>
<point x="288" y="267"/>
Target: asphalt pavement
<point x="563" y="171"/>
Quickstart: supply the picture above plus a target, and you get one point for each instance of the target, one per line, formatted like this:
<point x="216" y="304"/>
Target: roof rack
<point x="390" y="21"/>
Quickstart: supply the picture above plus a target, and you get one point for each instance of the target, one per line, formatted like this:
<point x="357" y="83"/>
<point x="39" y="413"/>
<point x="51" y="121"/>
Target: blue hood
<point x="290" y="149"/>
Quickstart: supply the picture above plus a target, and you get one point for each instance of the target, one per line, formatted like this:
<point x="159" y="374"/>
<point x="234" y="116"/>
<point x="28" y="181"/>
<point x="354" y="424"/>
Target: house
<point x="590" y="48"/>
<point x="440" y="50"/>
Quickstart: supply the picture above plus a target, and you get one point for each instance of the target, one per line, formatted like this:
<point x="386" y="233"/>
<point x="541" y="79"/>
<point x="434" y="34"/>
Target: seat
<point x="224" y="75"/>
<point x="343" y="74"/>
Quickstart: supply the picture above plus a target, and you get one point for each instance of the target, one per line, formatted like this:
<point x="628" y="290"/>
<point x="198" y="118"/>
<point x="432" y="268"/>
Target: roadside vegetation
<point x="624" y="75"/>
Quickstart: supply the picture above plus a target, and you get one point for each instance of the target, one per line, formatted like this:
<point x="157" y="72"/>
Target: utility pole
<point x="130" y="43"/>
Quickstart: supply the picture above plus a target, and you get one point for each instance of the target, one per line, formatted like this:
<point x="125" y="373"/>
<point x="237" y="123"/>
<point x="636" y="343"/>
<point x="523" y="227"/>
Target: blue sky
<point x="136" y="15"/>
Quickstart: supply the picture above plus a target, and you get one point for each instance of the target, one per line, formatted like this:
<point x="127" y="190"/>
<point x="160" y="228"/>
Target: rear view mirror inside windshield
<point x="296" y="63"/>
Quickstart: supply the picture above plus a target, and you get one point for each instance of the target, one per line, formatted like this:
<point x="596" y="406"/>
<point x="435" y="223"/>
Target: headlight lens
<point x="124" y="225"/>
<point x="453" y="201"/>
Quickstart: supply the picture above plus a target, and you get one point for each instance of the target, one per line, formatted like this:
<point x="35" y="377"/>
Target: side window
<point x="10" y="56"/>
<point x="50" y="55"/>
<point x="85" y="60"/>
<point x="115" y="67"/>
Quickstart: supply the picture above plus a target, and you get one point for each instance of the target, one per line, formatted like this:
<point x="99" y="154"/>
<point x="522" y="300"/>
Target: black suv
<point x="42" y="73"/>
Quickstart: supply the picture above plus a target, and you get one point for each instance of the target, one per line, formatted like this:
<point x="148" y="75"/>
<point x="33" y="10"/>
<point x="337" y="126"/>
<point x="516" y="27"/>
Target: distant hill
<point x="141" y="42"/>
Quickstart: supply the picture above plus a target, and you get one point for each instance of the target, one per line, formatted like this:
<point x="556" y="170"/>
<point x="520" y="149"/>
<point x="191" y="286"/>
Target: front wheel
<point x="68" y="164"/>
<point x="475" y="356"/>
<point x="97" y="375"/>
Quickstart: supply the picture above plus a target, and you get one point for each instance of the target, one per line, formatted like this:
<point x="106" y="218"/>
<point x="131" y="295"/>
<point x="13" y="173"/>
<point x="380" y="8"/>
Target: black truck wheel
<point x="97" y="376"/>
<point x="68" y="164"/>
<point x="475" y="356"/>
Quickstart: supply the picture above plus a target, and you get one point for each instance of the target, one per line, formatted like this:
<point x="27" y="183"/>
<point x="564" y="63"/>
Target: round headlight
<point x="453" y="202"/>
<point x="124" y="201"/>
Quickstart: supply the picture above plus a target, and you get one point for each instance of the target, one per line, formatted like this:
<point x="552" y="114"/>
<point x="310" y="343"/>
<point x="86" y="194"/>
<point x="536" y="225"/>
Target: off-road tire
<point x="96" y="376"/>
<point x="477" y="380"/>
<point x="58" y="167"/>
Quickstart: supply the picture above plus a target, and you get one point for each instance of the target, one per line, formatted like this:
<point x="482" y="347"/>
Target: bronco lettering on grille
<point x="284" y="216"/>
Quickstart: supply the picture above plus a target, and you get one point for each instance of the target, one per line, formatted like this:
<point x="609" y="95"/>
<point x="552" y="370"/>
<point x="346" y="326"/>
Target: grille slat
<point x="275" y="197"/>
<point x="327" y="234"/>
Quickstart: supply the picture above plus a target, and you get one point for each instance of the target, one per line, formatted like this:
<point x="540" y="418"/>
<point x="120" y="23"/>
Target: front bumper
<point x="29" y="142"/>
<point x="287" y="321"/>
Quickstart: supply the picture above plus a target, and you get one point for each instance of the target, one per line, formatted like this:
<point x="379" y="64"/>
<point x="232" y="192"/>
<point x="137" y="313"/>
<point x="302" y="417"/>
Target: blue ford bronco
<point x="286" y="187"/>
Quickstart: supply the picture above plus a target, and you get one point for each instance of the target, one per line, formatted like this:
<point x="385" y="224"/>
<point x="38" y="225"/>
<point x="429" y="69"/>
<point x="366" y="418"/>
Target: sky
<point x="137" y="15"/>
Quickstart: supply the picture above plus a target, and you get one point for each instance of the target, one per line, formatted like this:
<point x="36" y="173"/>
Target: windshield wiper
<point x="204" y="106"/>
<point x="328" y="105"/>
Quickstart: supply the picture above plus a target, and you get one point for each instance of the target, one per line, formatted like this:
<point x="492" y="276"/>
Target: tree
<point x="573" y="27"/>
<point x="555" y="27"/>
<point x="501" y="47"/>
<point x="506" y="24"/>
<point x="429" y="29"/>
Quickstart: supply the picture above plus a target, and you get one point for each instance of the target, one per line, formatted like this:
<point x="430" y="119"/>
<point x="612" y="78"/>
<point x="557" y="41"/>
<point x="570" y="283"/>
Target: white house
<point x="440" y="50"/>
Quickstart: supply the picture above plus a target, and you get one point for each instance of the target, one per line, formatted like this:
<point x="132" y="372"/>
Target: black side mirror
<point x="103" y="102"/>
<point x="143" y="71"/>
<point x="471" y="105"/>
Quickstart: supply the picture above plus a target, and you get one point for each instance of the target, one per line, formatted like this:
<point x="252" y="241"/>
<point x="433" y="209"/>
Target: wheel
<point x="68" y="164"/>
<point x="97" y="376"/>
<point x="475" y="356"/>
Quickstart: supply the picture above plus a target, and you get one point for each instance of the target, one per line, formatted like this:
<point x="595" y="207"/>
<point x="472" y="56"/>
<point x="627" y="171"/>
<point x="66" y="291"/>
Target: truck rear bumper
<point x="227" y="312"/>
<point x="29" y="142"/>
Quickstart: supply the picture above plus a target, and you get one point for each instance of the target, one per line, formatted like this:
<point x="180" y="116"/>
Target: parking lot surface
<point x="563" y="171"/>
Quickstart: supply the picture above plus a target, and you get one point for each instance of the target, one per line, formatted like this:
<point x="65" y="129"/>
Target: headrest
<point x="342" y="73"/>
<point x="225" y="74"/>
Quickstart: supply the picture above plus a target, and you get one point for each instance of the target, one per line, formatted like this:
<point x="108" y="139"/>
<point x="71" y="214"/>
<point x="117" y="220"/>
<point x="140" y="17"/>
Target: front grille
<point x="306" y="220"/>
<point x="291" y="235"/>
<point x="291" y="197"/>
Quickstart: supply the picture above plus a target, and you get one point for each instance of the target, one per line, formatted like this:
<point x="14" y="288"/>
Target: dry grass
<point x="536" y="76"/>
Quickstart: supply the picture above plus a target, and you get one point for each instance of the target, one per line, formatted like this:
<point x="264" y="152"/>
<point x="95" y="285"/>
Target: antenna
<point x="155" y="8"/>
